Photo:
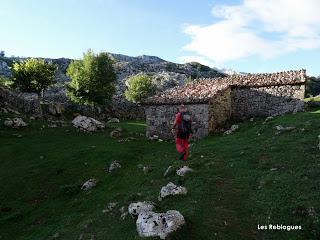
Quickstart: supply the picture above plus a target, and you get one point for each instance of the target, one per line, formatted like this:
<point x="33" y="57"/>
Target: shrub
<point x="140" y="87"/>
<point x="92" y="79"/>
<point x="5" y="82"/>
<point x="312" y="86"/>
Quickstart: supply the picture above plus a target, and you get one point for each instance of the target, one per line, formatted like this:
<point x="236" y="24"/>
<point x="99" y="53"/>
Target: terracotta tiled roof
<point x="202" y="90"/>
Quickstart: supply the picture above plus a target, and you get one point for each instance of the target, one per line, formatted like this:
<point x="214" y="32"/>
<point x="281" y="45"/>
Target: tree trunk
<point x="40" y="97"/>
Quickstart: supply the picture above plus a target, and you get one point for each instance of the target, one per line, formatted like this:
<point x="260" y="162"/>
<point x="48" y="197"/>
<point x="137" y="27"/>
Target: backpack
<point x="184" y="128"/>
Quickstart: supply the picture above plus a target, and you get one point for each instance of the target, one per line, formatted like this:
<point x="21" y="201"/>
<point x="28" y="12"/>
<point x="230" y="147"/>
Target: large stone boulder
<point x="171" y="189"/>
<point x="139" y="207"/>
<point x="150" y="224"/>
<point x="14" y="123"/>
<point x="87" y="124"/>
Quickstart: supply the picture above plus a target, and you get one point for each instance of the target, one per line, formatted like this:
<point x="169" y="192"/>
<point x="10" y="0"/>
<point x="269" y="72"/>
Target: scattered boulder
<point x="110" y="207"/>
<point x="171" y="189"/>
<point x="87" y="124"/>
<point x="147" y="169"/>
<point x="15" y="123"/>
<point x="89" y="184"/>
<point x="150" y="224"/>
<point x="114" y="120"/>
<point x="267" y="119"/>
<point x="281" y="129"/>
<point x="231" y="130"/>
<point x="182" y="171"/>
<point x="139" y="207"/>
<point x="154" y="137"/>
<point x="169" y="169"/>
<point x="117" y="133"/>
<point x="114" y="165"/>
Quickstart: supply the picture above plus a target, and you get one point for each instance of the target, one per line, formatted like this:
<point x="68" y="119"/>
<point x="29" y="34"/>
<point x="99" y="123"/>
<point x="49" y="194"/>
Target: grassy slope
<point x="231" y="191"/>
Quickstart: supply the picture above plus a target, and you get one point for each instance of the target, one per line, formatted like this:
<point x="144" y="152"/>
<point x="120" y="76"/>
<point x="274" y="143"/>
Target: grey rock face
<point x="150" y="224"/>
<point x="171" y="189"/>
<point x="138" y="207"/>
<point x="15" y="123"/>
<point x="87" y="123"/>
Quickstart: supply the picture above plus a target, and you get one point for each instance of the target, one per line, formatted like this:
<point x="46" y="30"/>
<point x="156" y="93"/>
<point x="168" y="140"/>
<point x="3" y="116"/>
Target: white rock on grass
<point x="114" y="165"/>
<point x="150" y="224"/>
<point x="89" y="184"/>
<point x="231" y="130"/>
<point x="110" y="207"/>
<point x="15" y="123"/>
<point x="171" y="189"/>
<point x="169" y="169"/>
<point x="268" y="119"/>
<point x="182" y="171"/>
<point x="87" y="124"/>
<point x="139" y="207"/>
<point x="281" y="129"/>
<point x="114" y="120"/>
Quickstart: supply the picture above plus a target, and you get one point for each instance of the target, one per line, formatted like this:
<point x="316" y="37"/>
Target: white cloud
<point x="264" y="28"/>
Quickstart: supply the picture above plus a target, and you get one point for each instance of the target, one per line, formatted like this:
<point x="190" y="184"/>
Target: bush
<point x="33" y="75"/>
<point x="5" y="82"/>
<point x="92" y="79"/>
<point x="140" y="87"/>
<point x="312" y="86"/>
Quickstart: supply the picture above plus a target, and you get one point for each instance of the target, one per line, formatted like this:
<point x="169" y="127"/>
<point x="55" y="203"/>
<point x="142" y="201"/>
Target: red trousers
<point x="182" y="146"/>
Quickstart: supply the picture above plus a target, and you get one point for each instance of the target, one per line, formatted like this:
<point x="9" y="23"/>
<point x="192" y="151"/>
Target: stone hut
<point x="214" y="101"/>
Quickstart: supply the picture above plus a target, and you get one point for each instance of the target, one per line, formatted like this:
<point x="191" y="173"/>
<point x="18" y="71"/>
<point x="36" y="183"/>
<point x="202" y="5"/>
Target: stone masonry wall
<point x="266" y="101"/>
<point x="219" y="109"/>
<point x="160" y="120"/>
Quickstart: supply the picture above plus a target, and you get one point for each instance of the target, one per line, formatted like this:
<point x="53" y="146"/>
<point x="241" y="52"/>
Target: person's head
<point x="182" y="108"/>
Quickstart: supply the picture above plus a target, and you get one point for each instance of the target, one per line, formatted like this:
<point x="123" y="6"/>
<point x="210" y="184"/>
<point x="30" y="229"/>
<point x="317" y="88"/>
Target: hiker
<point x="183" y="130"/>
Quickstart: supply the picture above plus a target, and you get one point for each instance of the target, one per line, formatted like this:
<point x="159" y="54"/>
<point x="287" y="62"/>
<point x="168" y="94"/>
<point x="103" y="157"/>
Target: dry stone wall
<point x="26" y="103"/>
<point x="265" y="101"/>
<point x="161" y="118"/>
<point x="219" y="109"/>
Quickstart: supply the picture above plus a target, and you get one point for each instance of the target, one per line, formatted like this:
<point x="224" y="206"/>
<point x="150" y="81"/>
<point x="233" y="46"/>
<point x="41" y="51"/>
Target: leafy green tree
<point x="33" y="75"/>
<point x="5" y="82"/>
<point x="139" y="88"/>
<point x="92" y="79"/>
<point x="313" y="86"/>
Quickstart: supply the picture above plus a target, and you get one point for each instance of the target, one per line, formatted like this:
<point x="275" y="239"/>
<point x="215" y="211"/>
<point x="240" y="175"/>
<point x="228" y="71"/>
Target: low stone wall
<point x="266" y="101"/>
<point x="160" y="119"/>
<point x="25" y="103"/>
<point x="219" y="109"/>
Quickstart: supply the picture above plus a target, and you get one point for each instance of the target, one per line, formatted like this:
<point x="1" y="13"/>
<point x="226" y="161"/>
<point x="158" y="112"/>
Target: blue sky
<point x="249" y="35"/>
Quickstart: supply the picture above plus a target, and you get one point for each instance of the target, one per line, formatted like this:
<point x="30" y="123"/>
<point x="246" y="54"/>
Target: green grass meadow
<point x="239" y="181"/>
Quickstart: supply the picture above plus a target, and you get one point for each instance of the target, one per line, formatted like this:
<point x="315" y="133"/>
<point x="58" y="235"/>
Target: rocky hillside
<point x="166" y="74"/>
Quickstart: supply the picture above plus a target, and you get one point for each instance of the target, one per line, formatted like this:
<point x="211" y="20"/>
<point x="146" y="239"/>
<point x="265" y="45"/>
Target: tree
<point x="313" y="86"/>
<point x="139" y="88"/>
<point x="92" y="79"/>
<point x="33" y="75"/>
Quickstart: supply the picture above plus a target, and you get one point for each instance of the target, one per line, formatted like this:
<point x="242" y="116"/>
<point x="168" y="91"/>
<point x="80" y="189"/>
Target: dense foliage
<point x="92" y="79"/>
<point x="5" y="82"/>
<point x="313" y="86"/>
<point x="33" y="75"/>
<point x="139" y="88"/>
